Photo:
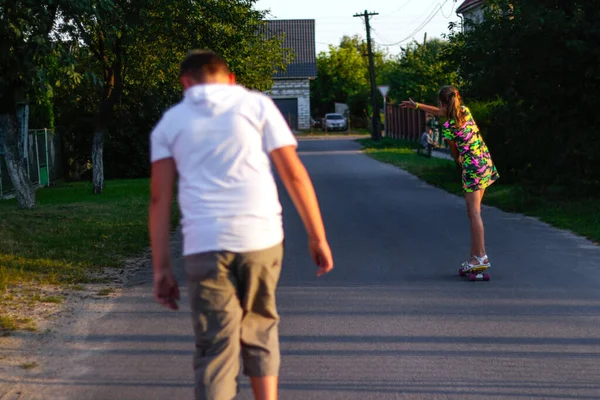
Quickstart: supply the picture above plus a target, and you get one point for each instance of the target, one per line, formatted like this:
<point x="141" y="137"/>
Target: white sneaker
<point x="468" y="266"/>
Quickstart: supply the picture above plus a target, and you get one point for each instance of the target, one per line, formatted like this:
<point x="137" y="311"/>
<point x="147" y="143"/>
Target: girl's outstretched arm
<point x="410" y="103"/>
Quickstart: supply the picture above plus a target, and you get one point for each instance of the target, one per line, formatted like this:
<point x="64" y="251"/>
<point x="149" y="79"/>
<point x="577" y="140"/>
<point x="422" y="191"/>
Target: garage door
<point x="289" y="109"/>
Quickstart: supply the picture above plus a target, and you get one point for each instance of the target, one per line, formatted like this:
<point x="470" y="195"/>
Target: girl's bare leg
<point x="477" y="229"/>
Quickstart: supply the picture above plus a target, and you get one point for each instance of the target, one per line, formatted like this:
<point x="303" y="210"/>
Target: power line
<point x="435" y="11"/>
<point x="412" y="34"/>
<point x="448" y="16"/>
<point x="401" y="7"/>
<point x="421" y="15"/>
<point x="379" y="35"/>
<point x="427" y="21"/>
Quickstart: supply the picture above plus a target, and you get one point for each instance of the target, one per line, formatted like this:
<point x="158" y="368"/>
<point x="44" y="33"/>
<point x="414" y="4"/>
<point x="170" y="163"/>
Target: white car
<point x="335" y="122"/>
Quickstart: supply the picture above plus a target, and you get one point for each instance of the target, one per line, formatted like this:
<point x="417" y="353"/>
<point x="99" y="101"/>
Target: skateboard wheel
<point x="486" y="277"/>
<point x="472" y="277"/>
<point x="461" y="272"/>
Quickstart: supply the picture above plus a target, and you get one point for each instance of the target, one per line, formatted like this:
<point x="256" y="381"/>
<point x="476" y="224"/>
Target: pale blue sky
<point x="397" y="20"/>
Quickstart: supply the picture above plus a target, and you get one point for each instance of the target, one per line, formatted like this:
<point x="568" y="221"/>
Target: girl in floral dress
<point x="470" y="151"/>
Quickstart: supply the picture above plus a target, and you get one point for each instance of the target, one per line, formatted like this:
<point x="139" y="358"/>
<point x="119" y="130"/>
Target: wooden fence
<point x="404" y="123"/>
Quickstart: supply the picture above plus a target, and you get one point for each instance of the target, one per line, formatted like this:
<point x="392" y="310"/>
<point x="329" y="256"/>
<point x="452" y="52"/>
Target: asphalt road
<point x="393" y="321"/>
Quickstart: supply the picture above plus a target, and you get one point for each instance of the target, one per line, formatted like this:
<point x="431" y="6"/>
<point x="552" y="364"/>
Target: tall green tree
<point x="343" y="77"/>
<point x="26" y="28"/>
<point x="419" y="71"/>
<point x="107" y="29"/>
<point x="129" y="53"/>
<point x="542" y="59"/>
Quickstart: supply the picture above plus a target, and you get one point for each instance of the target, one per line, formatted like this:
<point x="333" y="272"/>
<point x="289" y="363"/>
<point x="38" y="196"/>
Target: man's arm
<point x="162" y="180"/>
<point x="300" y="188"/>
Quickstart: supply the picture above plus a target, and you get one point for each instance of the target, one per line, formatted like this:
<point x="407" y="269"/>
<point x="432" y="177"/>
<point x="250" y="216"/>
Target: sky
<point x="398" y="21"/>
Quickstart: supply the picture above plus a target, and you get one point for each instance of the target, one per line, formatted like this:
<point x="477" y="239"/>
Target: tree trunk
<point x="111" y="93"/>
<point x="15" y="162"/>
<point x="98" y="161"/>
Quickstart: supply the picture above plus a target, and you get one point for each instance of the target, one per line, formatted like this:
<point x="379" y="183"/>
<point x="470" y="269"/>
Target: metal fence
<point x="44" y="162"/>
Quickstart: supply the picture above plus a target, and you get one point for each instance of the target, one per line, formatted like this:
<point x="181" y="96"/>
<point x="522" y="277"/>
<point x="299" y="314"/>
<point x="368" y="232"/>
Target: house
<point x="472" y="10"/>
<point x="291" y="89"/>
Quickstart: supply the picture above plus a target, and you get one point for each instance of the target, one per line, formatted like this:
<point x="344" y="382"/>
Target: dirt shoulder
<point x="27" y="355"/>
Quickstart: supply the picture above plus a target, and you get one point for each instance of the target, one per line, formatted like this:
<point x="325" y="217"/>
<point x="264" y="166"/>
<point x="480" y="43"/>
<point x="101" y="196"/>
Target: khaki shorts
<point x="232" y="297"/>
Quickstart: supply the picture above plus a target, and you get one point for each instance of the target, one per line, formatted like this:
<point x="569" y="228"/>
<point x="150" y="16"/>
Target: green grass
<point x="29" y="365"/>
<point x="106" y="292"/>
<point x="27" y="324"/>
<point x="360" y="131"/>
<point x="7" y="324"/>
<point x="52" y="299"/>
<point x="72" y="232"/>
<point x="579" y="215"/>
<point x="320" y="132"/>
<point x="36" y="297"/>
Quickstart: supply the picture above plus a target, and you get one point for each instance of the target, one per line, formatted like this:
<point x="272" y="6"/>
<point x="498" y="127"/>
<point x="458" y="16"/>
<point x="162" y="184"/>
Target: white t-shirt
<point x="220" y="137"/>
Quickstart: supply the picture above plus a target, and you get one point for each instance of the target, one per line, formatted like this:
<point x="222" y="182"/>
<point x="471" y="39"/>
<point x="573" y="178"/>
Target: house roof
<point x="468" y="5"/>
<point x="299" y="35"/>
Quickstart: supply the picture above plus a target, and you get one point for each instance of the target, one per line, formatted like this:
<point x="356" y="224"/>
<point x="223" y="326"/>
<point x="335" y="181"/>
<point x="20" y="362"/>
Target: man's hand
<point x="166" y="289"/>
<point x="321" y="255"/>
<point x="162" y="180"/>
<point x="300" y="188"/>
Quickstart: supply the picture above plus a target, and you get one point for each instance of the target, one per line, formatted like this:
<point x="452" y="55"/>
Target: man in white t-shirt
<point x="220" y="141"/>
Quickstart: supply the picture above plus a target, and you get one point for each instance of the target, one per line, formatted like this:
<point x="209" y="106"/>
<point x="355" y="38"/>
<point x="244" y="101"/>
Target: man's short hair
<point x="200" y="64"/>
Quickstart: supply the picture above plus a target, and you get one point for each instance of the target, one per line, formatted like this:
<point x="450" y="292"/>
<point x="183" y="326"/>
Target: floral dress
<point x="478" y="170"/>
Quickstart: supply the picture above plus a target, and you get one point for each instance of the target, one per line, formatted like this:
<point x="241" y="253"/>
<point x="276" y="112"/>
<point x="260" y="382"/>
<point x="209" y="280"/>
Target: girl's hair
<point x="450" y="98"/>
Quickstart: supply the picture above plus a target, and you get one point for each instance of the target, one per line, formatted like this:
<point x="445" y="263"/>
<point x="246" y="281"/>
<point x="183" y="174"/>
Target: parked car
<point x="335" y="122"/>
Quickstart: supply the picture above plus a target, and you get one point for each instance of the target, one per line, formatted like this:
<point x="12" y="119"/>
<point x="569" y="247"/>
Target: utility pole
<point x="376" y="130"/>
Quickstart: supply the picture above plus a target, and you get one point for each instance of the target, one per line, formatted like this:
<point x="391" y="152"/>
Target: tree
<point x="419" y="72"/>
<point x="541" y="59"/>
<point x="136" y="48"/>
<point x="343" y="76"/>
<point x="237" y="31"/>
<point x="106" y="29"/>
<point x="26" y="27"/>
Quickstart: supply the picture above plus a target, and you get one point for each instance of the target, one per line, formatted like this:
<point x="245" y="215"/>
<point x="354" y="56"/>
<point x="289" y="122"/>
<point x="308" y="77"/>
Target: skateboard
<point x="475" y="274"/>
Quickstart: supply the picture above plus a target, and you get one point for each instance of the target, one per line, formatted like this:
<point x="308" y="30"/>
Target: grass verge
<point x="29" y="365"/>
<point x="106" y="292"/>
<point x="69" y="236"/>
<point x="579" y="215"/>
<point x="9" y="324"/>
